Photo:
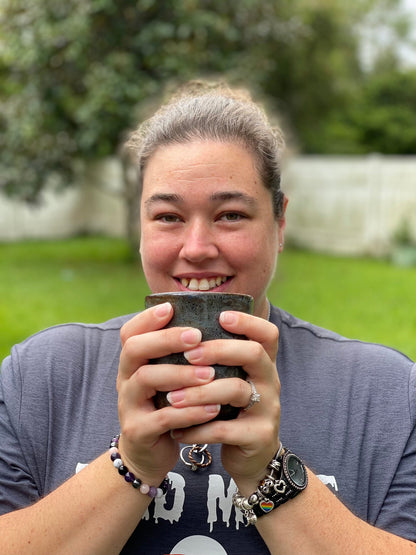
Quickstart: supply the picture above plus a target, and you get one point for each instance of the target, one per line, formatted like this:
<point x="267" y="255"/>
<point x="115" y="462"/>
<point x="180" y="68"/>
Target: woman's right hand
<point x="146" y="446"/>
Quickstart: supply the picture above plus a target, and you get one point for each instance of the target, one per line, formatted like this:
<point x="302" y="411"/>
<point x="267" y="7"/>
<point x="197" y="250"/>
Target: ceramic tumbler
<point x="202" y="310"/>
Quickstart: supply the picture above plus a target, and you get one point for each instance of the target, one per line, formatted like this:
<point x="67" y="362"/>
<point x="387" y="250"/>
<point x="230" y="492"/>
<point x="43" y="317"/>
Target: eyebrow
<point x="233" y="195"/>
<point x="219" y="196"/>
<point x="163" y="197"/>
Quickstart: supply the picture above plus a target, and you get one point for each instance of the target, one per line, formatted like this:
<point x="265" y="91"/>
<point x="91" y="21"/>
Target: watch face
<point x="295" y="471"/>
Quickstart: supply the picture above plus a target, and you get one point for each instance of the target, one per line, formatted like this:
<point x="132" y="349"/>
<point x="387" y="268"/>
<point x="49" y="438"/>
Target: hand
<point x="146" y="446"/>
<point x="251" y="440"/>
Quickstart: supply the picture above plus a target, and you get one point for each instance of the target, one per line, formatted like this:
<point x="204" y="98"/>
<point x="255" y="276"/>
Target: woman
<point x="212" y="218"/>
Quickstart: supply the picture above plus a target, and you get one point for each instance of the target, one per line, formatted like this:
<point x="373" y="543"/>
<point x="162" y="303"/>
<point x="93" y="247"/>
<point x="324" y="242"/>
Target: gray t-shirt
<point x="348" y="409"/>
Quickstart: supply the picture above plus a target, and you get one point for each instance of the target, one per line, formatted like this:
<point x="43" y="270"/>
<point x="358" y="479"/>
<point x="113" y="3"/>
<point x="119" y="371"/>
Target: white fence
<point x="350" y="205"/>
<point x="345" y="205"/>
<point x="94" y="206"/>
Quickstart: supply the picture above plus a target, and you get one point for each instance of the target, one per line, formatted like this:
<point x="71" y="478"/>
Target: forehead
<point x="202" y="165"/>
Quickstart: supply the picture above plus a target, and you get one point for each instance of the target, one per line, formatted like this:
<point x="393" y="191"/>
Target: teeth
<point x="203" y="284"/>
<point x="193" y="285"/>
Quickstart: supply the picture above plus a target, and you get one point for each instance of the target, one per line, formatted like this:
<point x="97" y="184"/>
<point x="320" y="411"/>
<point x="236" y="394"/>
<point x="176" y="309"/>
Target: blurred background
<point x="339" y="78"/>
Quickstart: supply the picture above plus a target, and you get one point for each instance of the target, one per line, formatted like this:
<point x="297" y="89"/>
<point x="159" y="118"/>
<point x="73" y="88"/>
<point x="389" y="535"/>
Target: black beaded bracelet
<point x="151" y="491"/>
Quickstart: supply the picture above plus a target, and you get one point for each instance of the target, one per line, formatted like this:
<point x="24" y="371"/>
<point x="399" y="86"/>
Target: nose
<point x="198" y="242"/>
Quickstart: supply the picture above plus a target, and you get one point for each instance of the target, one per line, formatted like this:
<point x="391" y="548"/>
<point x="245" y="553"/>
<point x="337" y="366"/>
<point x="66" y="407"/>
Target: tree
<point x="76" y="74"/>
<point x="387" y="114"/>
<point x="376" y="110"/>
<point x="315" y="73"/>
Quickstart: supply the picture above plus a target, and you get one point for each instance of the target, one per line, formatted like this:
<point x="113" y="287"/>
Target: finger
<point x="150" y="319"/>
<point x="149" y="379"/>
<point x="232" y="391"/>
<point x="249" y="434"/>
<point x="254" y="328"/>
<point x="163" y="420"/>
<point x="233" y="352"/>
<point x="138" y="349"/>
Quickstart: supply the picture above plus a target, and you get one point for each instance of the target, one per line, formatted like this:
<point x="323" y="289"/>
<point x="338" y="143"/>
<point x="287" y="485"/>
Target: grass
<point x="83" y="279"/>
<point x="93" y="279"/>
<point x="357" y="297"/>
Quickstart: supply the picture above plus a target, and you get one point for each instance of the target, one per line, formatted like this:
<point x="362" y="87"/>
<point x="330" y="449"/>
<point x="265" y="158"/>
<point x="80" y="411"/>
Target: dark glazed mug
<point x="202" y="311"/>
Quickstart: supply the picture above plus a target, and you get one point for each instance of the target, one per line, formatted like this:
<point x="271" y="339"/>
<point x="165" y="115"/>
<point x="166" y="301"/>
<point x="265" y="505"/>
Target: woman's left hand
<point x="252" y="439"/>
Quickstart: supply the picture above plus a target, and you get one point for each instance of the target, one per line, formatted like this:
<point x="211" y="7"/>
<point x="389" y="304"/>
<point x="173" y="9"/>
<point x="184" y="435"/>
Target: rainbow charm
<point x="266" y="505"/>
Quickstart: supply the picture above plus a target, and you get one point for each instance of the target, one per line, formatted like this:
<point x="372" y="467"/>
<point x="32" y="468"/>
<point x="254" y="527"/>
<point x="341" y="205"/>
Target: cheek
<point x="156" y="252"/>
<point x="252" y="247"/>
<point x="260" y="254"/>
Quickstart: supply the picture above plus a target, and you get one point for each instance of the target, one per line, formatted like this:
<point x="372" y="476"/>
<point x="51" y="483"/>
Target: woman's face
<point x="207" y="222"/>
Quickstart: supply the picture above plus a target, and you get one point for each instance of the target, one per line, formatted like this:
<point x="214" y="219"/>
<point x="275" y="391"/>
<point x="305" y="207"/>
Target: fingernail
<point x="228" y="317"/>
<point x="191" y="337"/>
<point x="193" y="354"/>
<point x="162" y="310"/>
<point x="176" y="434"/>
<point x="204" y="372"/>
<point x="175" y="396"/>
<point x="212" y="409"/>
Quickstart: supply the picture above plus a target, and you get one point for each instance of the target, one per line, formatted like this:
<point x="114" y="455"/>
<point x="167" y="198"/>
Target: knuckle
<point x="219" y="433"/>
<point x="274" y="333"/>
<point x="170" y="338"/>
<point x="166" y="334"/>
<point x="163" y="419"/>
<point x="271" y="429"/>
<point x="124" y="335"/>
<point x="244" y="389"/>
<point x="199" y="395"/>
<point x="129" y="347"/>
<point x="257" y="350"/>
<point x="278" y="388"/>
<point x="267" y="432"/>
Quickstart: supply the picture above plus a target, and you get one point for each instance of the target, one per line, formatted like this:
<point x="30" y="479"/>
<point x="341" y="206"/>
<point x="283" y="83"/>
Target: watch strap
<point x="276" y="488"/>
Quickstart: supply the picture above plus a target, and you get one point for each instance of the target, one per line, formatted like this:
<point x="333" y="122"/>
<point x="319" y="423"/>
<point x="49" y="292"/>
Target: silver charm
<point x="200" y="451"/>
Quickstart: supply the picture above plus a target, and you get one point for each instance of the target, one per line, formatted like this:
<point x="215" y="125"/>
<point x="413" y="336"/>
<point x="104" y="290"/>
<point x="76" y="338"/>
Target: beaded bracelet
<point x="151" y="491"/>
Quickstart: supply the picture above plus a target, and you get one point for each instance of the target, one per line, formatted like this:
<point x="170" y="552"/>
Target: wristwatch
<point x="294" y="471"/>
<point x="288" y="477"/>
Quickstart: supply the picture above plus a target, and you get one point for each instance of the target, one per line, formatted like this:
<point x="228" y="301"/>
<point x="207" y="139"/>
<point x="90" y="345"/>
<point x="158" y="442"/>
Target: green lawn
<point x="45" y="283"/>
<point x="93" y="279"/>
<point x="357" y="297"/>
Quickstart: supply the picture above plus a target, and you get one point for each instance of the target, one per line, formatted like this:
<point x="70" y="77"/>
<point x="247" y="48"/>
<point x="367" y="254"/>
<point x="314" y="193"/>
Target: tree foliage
<point x="382" y="119"/>
<point x="76" y="73"/>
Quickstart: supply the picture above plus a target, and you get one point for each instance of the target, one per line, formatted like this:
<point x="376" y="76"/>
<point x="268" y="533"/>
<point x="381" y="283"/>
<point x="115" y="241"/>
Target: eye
<point x="232" y="216"/>
<point x="168" y="218"/>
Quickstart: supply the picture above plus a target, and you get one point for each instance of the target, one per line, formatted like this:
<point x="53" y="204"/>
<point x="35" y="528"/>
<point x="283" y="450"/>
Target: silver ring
<point x="202" y="451"/>
<point x="183" y="456"/>
<point x="254" y="397"/>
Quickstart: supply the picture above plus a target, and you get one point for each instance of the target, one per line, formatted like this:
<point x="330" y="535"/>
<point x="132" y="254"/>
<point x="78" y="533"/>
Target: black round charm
<point x="295" y="471"/>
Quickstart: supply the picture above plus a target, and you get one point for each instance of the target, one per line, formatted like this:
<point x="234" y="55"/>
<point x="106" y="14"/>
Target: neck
<point x="264" y="311"/>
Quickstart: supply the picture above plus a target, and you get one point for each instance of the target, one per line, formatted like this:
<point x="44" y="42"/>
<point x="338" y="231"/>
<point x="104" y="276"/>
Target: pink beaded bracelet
<point x="151" y="491"/>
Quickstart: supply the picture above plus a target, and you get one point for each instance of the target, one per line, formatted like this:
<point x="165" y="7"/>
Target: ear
<point x="282" y="225"/>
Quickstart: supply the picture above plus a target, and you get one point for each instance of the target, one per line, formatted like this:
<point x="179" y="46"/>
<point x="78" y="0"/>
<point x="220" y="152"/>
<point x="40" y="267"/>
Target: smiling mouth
<point x="204" y="284"/>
